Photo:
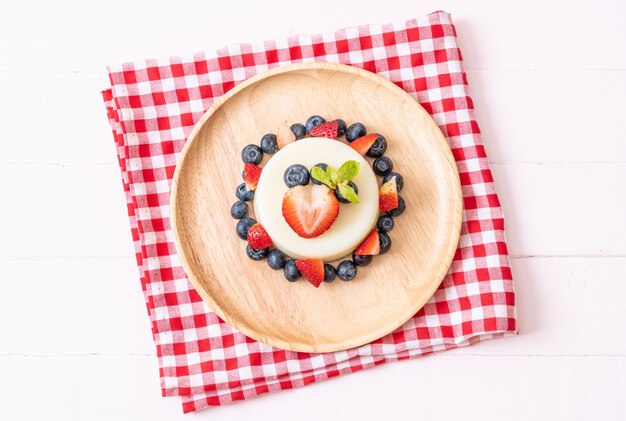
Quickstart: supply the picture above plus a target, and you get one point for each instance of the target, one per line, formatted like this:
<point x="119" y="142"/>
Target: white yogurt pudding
<point x="355" y="220"/>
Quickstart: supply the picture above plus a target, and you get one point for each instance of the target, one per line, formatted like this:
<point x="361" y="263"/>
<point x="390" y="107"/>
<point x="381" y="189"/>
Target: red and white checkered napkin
<point x="152" y="107"/>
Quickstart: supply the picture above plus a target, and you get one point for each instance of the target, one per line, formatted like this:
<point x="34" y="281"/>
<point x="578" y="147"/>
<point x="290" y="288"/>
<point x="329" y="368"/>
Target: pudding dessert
<point x="317" y="200"/>
<point x="354" y="221"/>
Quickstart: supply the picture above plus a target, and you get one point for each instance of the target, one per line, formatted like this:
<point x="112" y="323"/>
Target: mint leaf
<point x="321" y="175"/>
<point x="348" y="171"/>
<point x="348" y="192"/>
<point x="333" y="175"/>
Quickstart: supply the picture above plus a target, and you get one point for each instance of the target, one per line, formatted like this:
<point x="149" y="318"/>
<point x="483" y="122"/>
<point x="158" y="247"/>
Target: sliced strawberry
<point x="312" y="270"/>
<point x="370" y="246"/>
<point x="363" y="144"/>
<point x="388" y="196"/>
<point x="310" y="210"/>
<point x="284" y="136"/>
<point x="327" y="130"/>
<point x="258" y="238"/>
<point x="251" y="174"/>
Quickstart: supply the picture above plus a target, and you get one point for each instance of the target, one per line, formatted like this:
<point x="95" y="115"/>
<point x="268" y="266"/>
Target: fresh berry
<point x="385" y="242"/>
<point x="384" y="223"/>
<point x="399" y="180"/>
<point x="296" y="175"/>
<point x="327" y="130"/>
<point x="355" y="131"/>
<point x="362" y="144"/>
<point x="341" y="127"/>
<point x="239" y="209"/>
<point x="284" y="136"/>
<point x="329" y="273"/>
<point x="258" y="238"/>
<point x="312" y="270"/>
<point x="251" y="174"/>
<point x="362" y="260"/>
<point x="243" y="225"/>
<point x="388" y="196"/>
<point x="382" y="166"/>
<point x="369" y="246"/>
<point x="256" y="254"/>
<point x="313" y="121"/>
<point x="276" y="259"/>
<point x="343" y="199"/>
<point x="378" y="148"/>
<point x="400" y="209"/>
<point x="298" y="130"/>
<point x="322" y="166"/>
<point x="269" y="144"/>
<point x="291" y="271"/>
<point x="310" y="210"/>
<point x="346" y="271"/>
<point x="252" y="154"/>
<point x="243" y="193"/>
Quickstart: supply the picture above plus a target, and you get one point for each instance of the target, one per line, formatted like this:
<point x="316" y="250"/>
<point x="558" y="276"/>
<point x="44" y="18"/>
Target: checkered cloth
<point x="152" y="107"/>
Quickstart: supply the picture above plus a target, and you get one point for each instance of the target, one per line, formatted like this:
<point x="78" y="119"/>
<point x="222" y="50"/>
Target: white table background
<point x="549" y="85"/>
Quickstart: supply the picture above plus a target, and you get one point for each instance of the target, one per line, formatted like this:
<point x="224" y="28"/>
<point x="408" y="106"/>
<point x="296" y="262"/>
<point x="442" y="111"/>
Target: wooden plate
<point x="257" y="300"/>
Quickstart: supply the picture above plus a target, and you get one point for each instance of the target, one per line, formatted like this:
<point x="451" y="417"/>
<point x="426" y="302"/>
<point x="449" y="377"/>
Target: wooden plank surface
<point x="548" y="81"/>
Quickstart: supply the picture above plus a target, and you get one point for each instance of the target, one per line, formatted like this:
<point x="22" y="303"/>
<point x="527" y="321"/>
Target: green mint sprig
<point x="339" y="179"/>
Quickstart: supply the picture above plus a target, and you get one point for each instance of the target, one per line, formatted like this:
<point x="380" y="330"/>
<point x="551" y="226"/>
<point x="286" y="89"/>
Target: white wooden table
<point x="549" y="85"/>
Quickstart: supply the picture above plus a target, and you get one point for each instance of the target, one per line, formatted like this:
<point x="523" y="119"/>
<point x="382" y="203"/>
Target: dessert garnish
<point x="315" y="197"/>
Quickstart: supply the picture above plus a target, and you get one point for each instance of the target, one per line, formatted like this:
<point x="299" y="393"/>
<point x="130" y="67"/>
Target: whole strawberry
<point x="327" y="130"/>
<point x="258" y="238"/>
<point x="312" y="270"/>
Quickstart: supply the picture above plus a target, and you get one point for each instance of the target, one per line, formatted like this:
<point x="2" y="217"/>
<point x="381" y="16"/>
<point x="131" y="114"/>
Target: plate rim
<point x="455" y="232"/>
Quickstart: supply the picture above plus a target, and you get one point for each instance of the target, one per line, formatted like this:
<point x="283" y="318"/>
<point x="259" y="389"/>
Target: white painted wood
<point x="523" y="115"/>
<point x="60" y="211"/>
<point x="573" y="209"/>
<point x="548" y="80"/>
<point x="566" y="306"/>
<point x="551" y="116"/>
<point x="68" y="106"/>
<point x="562" y="311"/>
<point x="441" y="386"/>
<point x="73" y="307"/>
<point x="529" y="35"/>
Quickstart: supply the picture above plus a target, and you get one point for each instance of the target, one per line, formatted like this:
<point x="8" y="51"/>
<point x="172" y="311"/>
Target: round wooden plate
<point x="257" y="300"/>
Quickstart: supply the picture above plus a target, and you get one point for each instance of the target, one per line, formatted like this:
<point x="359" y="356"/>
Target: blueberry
<point x="314" y="121"/>
<point x="384" y="223"/>
<point x="341" y="127"/>
<point x="255" y="254"/>
<point x="299" y="130"/>
<point x="329" y="272"/>
<point x="291" y="271"/>
<point x="239" y="210"/>
<point x="355" y="131"/>
<point x="399" y="179"/>
<point x="382" y="166"/>
<point x="346" y="271"/>
<point x="343" y="199"/>
<point x="401" y="207"/>
<point x="276" y="259"/>
<point x="296" y="175"/>
<point x="385" y="242"/>
<point x="361" y="260"/>
<point x="252" y="154"/>
<point x="269" y="144"/>
<point x="243" y="226"/>
<point x="322" y="166"/>
<point x="243" y="193"/>
<point x="378" y="148"/>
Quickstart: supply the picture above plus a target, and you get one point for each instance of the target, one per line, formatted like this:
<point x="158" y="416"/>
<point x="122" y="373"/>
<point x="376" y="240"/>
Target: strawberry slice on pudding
<point x="310" y="210"/>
